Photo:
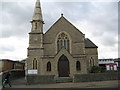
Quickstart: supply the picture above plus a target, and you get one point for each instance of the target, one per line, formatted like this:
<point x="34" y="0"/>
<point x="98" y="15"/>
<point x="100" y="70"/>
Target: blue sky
<point x="97" y="20"/>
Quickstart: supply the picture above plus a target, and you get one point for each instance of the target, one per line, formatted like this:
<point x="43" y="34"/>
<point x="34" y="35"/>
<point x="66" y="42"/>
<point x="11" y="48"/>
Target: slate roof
<point x="89" y="44"/>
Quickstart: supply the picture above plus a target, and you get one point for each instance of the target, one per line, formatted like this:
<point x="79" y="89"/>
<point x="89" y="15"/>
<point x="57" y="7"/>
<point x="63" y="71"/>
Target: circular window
<point x="62" y="35"/>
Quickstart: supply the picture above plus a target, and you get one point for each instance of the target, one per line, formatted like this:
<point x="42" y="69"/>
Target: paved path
<point x="113" y="83"/>
<point x="20" y="81"/>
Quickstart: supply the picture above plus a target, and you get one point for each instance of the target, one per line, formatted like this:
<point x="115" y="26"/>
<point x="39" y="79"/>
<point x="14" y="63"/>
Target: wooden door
<point x="63" y="67"/>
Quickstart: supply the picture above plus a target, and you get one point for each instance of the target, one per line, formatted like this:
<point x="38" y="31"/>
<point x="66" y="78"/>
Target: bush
<point x="96" y="69"/>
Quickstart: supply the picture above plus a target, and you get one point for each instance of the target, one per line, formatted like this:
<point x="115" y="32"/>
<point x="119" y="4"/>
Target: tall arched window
<point x="35" y="25"/>
<point x="48" y="66"/>
<point x="91" y="62"/>
<point x="34" y="64"/>
<point x="63" y="42"/>
<point x="78" y="66"/>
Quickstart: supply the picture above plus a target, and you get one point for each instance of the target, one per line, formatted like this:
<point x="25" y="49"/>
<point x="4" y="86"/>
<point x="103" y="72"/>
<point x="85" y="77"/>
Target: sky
<point x="98" y="20"/>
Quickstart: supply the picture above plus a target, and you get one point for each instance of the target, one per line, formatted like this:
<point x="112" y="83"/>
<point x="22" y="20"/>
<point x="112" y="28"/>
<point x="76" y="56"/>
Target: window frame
<point x="78" y="66"/>
<point x="34" y="64"/>
<point x="49" y="69"/>
<point x="63" y="42"/>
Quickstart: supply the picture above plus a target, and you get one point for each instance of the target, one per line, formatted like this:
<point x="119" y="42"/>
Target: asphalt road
<point x="21" y="83"/>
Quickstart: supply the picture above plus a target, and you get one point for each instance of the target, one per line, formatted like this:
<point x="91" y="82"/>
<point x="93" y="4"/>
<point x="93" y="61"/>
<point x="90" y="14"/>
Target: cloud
<point x="15" y="19"/>
<point x="13" y="48"/>
<point x="3" y="49"/>
<point x="98" y="21"/>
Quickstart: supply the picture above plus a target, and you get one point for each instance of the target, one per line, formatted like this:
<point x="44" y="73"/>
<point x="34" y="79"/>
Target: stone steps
<point x="64" y="79"/>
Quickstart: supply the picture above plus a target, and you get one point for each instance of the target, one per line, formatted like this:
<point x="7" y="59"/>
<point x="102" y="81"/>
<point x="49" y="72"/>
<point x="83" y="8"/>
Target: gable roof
<point x="89" y="44"/>
<point x="62" y="17"/>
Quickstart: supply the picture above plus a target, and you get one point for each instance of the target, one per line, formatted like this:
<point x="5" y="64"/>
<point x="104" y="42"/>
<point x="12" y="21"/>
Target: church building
<point x="61" y="52"/>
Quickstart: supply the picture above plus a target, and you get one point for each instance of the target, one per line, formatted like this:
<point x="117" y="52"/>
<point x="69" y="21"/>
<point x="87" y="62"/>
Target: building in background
<point x="109" y="64"/>
<point x="6" y="65"/>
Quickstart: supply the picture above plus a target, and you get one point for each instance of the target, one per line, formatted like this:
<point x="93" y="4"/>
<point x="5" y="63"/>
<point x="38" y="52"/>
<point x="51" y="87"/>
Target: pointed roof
<point x="62" y="17"/>
<point x="37" y="11"/>
<point x="89" y="44"/>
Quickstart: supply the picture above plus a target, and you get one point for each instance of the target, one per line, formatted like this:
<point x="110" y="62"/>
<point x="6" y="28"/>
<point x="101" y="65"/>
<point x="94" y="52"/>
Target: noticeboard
<point x="32" y="71"/>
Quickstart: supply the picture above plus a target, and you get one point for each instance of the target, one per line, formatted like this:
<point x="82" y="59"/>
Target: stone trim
<point x="35" y="48"/>
<point x="47" y="43"/>
<point x="74" y="56"/>
<point x="91" y="47"/>
<point x="36" y="33"/>
<point x="78" y="42"/>
<point x="37" y="20"/>
<point x="78" y="56"/>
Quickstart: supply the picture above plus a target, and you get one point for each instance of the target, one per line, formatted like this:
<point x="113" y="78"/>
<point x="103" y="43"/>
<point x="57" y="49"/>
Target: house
<point x="6" y="65"/>
<point x="108" y="64"/>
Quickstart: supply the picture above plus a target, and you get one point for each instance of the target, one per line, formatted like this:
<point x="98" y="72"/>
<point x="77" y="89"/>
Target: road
<point x="21" y="83"/>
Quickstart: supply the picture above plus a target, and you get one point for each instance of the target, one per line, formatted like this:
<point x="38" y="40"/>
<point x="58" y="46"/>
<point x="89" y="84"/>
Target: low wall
<point x="14" y="74"/>
<point x="96" y="77"/>
<point x="35" y="79"/>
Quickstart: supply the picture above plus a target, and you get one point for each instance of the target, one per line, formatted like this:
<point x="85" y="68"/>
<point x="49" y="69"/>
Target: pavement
<point x="21" y="83"/>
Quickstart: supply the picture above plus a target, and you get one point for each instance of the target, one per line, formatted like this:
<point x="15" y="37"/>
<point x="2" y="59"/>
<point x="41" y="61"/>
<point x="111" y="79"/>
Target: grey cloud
<point x="109" y="41"/>
<point x="17" y="12"/>
<point x="4" y="49"/>
<point x="15" y="20"/>
<point x="102" y="16"/>
<point x="97" y="33"/>
<point x="17" y="31"/>
<point x="20" y="16"/>
<point x="75" y="10"/>
<point x="72" y="11"/>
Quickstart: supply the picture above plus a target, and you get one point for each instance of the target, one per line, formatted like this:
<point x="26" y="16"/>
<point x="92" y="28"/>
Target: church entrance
<point x="63" y="66"/>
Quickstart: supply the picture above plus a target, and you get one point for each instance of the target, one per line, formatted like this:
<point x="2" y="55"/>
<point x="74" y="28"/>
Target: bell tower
<point x="35" y="49"/>
<point x="36" y="34"/>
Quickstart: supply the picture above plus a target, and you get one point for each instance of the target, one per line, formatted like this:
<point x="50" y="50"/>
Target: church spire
<point x="37" y="12"/>
<point x="37" y="20"/>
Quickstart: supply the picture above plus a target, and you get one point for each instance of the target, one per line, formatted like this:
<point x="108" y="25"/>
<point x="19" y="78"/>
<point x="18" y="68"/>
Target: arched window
<point x="48" y="66"/>
<point x="35" y="64"/>
<point x="91" y="62"/>
<point x="63" y="42"/>
<point x="35" y="25"/>
<point x="78" y="66"/>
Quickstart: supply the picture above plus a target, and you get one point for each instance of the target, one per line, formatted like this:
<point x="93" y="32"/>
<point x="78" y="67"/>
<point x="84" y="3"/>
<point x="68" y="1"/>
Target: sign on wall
<point x="32" y="71"/>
